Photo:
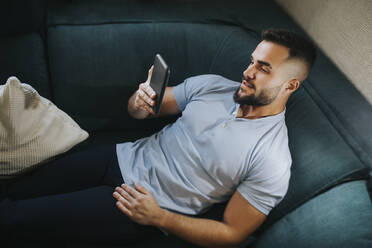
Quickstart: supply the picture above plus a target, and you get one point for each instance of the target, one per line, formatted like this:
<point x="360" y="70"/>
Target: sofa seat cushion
<point x="341" y="217"/>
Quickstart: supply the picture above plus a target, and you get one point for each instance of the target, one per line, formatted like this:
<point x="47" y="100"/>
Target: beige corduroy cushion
<point x="32" y="129"/>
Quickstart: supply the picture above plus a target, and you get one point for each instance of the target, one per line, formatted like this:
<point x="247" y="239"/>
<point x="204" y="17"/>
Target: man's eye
<point x="262" y="69"/>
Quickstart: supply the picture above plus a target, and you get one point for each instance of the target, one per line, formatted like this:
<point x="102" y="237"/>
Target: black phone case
<point x="159" y="80"/>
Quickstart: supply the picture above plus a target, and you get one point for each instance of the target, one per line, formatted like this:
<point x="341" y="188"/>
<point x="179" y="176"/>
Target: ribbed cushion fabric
<point x="23" y="55"/>
<point x="32" y="129"/>
<point x="340" y="217"/>
<point x="321" y="157"/>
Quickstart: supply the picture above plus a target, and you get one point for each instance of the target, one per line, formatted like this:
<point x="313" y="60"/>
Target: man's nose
<point x="250" y="73"/>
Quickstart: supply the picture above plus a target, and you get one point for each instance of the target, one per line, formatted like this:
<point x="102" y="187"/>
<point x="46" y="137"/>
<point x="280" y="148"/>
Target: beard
<point x="265" y="97"/>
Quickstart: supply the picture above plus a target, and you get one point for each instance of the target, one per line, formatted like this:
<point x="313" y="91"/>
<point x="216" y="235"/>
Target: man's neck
<point x="256" y="112"/>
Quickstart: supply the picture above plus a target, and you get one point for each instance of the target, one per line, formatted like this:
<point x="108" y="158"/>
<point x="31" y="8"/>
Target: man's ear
<point x="293" y="85"/>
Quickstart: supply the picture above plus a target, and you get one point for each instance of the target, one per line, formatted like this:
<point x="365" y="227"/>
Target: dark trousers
<point x="70" y="199"/>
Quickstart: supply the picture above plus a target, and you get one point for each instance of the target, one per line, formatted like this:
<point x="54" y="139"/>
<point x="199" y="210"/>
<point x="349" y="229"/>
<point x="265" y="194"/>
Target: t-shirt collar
<point x="279" y="115"/>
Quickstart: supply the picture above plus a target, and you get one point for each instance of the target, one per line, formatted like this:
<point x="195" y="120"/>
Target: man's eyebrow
<point x="263" y="62"/>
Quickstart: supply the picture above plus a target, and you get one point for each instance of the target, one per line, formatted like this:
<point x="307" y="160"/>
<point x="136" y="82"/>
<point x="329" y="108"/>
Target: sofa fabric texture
<point x="326" y="221"/>
<point x="90" y="56"/>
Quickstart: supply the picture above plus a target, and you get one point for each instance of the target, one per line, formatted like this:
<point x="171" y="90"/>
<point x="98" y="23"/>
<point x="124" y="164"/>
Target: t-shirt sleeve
<point x="267" y="183"/>
<point x="191" y="87"/>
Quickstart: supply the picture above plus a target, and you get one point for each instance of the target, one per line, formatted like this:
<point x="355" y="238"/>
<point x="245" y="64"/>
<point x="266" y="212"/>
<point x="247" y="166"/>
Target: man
<point x="230" y="140"/>
<point x="230" y="144"/>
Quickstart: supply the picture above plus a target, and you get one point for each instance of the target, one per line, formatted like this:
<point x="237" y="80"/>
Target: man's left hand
<point x="138" y="204"/>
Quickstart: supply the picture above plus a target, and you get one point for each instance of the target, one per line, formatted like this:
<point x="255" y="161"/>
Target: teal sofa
<point x="88" y="57"/>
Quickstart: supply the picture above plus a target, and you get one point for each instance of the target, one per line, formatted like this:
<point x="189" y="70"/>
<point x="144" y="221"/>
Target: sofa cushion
<point x="340" y="217"/>
<point x="24" y="56"/>
<point x="21" y="16"/>
<point x="32" y="129"/>
<point x="321" y="157"/>
<point x="350" y="112"/>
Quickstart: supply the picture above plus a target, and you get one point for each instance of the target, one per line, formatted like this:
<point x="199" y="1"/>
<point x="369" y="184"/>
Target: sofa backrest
<point x="96" y="68"/>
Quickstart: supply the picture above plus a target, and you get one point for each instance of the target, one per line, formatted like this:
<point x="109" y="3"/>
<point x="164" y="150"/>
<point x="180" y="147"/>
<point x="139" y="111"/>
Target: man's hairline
<point x="289" y="57"/>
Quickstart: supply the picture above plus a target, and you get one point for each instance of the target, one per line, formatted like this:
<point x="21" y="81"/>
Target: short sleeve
<point x="179" y="92"/>
<point x="266" y="184"/>
<point x="190" y="88"/>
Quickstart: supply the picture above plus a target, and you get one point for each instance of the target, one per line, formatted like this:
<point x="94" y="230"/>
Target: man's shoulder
<point x="210" y="82"/>
<point x="205" y="76"/>
<point x="273" y="149"/>
<point x="208" y="78"/>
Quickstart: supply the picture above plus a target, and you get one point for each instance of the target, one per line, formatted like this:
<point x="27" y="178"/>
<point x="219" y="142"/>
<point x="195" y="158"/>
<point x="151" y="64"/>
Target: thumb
<point x="150" y="73"/>
<point x="140" y="188"/>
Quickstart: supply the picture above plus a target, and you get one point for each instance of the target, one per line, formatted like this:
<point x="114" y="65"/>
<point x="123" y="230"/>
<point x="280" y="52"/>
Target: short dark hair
<point x="299" y="46"/>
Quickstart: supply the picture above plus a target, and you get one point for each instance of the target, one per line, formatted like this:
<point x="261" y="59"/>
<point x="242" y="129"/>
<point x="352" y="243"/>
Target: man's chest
<point x="220" y="143"/>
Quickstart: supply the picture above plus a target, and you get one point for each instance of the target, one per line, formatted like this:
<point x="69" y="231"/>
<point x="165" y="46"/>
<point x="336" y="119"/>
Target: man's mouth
<point x="246" y="84"/>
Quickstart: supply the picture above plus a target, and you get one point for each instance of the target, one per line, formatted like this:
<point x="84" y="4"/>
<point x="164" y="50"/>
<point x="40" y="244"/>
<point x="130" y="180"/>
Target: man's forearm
<point x="203" y="232"/>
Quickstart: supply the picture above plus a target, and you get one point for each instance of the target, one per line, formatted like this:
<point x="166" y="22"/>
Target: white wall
<point x="343" y="29"/>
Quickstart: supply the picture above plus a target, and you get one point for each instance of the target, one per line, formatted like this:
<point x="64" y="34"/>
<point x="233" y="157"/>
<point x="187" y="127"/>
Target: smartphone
<point x="159" y="80"/>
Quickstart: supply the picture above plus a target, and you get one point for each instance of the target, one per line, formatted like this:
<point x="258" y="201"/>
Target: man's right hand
<point x="141" y="103"/>
<point x="145" y="97"/>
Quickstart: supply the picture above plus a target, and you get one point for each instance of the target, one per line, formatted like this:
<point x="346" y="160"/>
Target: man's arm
<point x="141" y="102"/>
<point x="240" y="218"/>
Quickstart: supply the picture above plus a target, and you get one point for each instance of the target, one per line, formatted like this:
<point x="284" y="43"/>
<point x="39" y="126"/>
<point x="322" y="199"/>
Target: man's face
<point x="264" y="77"/>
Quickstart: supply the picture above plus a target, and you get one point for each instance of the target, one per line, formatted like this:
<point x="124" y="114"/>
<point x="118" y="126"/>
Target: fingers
<point x="132" y="192"/>
<point x="123" y="204"/>
<point x="145" y="98"/>
<point x="122" y="195"/>
<point x="140" y="103"/>
<point x="146" y="88"/>
<point x="140" y="189"/>
<point x="123" y="208"/>
<point x="147" y="93"/>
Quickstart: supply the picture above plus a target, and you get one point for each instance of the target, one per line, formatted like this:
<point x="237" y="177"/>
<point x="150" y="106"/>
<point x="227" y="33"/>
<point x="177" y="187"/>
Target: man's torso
<point x="203" y="157"/>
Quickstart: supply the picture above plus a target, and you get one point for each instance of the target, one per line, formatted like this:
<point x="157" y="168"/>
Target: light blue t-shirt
<point x="208" y="153"/>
